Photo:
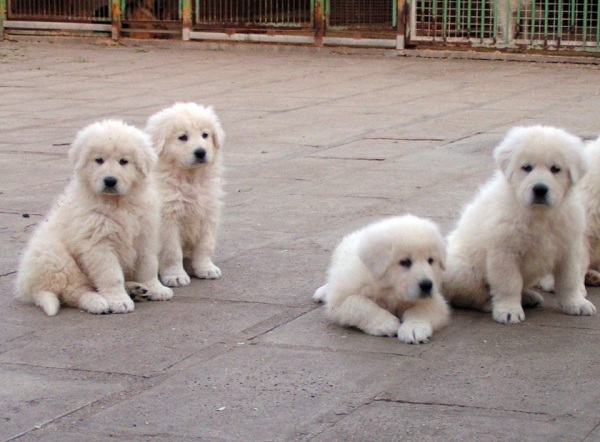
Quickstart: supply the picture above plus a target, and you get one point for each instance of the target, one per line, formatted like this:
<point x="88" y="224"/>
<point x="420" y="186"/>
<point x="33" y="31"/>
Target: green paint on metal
<point x="445" y="20"/>
<point x="585" y="21"/>
<point x="546" y="17"/>
<point x="2" y="17"/>
<point x="560" y="22"/>
<point x="394" y="13"/>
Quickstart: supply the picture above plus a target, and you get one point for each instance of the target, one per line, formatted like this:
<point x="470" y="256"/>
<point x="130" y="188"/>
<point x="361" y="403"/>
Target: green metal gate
<point x="527" y="24"/>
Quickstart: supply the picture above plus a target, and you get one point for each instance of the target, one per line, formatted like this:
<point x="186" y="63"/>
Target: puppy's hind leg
<point x="47" y="301"/>
<point x="358" y="311"/>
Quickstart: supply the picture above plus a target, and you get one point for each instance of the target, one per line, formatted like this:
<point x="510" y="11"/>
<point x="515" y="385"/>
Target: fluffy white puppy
<point x="527" y="222"/>
<point x="188" y="138"/>
<point x="389" y="268"/>
<point x="101" y="231"/>
<point x="590" y="191"/>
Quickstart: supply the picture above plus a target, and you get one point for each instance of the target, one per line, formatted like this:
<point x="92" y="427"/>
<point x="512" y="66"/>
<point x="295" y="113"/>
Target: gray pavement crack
<point x="469" y="407"/>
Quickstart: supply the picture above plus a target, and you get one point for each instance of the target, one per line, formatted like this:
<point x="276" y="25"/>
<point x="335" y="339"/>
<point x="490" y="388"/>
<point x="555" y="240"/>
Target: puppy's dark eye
<point x="430" y="261"/>
<point x="555" y="169"/>
<point x="183" y="137"/>
<point x="406" y="263"/>
<point x="527" y="168"/>
<point x="204" y="135"/>
<point x="99" y="161"/>
<point x="123" y="161"/>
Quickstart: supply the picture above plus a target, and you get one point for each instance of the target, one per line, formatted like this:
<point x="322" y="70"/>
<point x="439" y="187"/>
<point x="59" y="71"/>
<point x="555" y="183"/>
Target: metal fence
<point x="252" y="13"/>
<point x="542" y="24"/>
<point x="503" y="24"/>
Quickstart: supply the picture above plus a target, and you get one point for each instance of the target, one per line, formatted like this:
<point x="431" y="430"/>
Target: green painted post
<point x="186" y="19"/>
<point x="585" y="21"/>
<point x="2" y="18"/>
<point x="444" y="21"/>
<point x="546" y="19"/>
<point x="116" y="19"/>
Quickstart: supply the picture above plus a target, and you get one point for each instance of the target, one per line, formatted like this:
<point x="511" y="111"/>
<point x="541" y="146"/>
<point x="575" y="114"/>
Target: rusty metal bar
<point x="2" y="18"/>
<point x="319" y="21"/>
<point x="401" y="20"/>
<point x="186" y="19"/>
<point x="115" y="10"/>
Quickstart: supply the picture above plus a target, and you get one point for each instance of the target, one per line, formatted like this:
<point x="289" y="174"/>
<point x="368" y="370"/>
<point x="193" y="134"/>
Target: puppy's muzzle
<point x="426" y="287"/>
<point x="200" y="155"/>
<point x="110" y="184"/>
<point x="540" y="194"/>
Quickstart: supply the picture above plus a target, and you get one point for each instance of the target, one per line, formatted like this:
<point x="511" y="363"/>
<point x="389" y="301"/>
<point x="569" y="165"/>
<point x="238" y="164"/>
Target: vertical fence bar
<point x="598" y="25"/>
<point x="585" y="21"/>
<point x="320" y="8"/>
<point x="186" y="19"/>
<point x="444" y="20"/>
<point x="401" y="20"/>
<point x="559" y="19"/>
<point x="116" y="19"/>
<point x="2" y="18"/>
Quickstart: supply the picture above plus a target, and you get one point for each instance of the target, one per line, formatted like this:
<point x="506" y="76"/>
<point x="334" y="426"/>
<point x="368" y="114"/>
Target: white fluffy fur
<point x="95" y="237"/>
<point x="190" y="189"/>
<point x="590" y="190"/>
<point x="507" y="239"/>
<point x="369" y="282"/>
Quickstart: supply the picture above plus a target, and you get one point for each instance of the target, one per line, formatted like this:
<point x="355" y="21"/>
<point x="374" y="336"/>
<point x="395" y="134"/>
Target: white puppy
<point x="590" y="190"/>
<point x="389" y="268"/>
<point x="527" y="222"/>
<point x="102" y="230"/>
<point x="188" y="138"/>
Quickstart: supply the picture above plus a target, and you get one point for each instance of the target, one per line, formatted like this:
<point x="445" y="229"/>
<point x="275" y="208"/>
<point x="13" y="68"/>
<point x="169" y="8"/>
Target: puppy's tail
<point x="320" y="294"/>
<point x="47" y="301"/>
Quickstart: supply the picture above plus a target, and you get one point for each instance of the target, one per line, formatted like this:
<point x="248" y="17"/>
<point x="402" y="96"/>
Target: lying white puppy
<point x="102" y="230"/>
<point x="389" y="268"/>
<point x="527" y="222"/>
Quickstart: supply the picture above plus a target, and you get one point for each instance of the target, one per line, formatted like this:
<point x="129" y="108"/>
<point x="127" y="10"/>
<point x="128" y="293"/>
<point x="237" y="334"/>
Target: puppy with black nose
<point x="188" y="139"/>
<point x="527" y="222"/>
<point x="385" y="280"/>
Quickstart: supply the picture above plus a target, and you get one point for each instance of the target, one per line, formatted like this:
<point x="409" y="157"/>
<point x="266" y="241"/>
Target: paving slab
<point x="319" y="143"/>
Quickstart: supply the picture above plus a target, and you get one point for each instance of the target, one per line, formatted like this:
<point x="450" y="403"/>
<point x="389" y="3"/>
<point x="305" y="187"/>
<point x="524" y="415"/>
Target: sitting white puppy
<point x="188" y="138"/>
<point x="389" y="268"/>
<point x="527" y="222"/>
<point x="590" y="190"/>
<point x="102" y="230"/>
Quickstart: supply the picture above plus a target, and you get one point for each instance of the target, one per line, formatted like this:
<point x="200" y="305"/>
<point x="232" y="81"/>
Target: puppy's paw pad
<point x="138" y="292"/>
<point x="581" y="308"/>
<point x="592" y="277"/>
<point x="415" y="332"/>
<point x="175" y="280"/>
<point x="389" y="327"/>
<point x="509" y="315"/>
<point x="531" y="299"/>
<point x="208" y="271"/>
<point x="161" y="294"/>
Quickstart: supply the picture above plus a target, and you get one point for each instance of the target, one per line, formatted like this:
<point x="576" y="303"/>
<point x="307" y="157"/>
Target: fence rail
<point x="503" y="24"/>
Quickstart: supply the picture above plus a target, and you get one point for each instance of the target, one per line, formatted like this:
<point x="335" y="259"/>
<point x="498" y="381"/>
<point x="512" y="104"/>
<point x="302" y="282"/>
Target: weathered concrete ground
<point x="317" y="145"/>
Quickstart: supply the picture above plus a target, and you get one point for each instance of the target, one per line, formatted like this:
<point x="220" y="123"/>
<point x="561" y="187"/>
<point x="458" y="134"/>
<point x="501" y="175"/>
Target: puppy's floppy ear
<point x="219" y="137"/>
<point x="146" y="157"/>
<point x="77" y="153"/>
<point x="579" y="160"/>
<point x="376" y="253"/>
<point x="159" y="127"/>
<point x="503" y="154"/>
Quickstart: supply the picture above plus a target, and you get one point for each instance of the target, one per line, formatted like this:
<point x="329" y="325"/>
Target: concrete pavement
<point x="318" y="144"/>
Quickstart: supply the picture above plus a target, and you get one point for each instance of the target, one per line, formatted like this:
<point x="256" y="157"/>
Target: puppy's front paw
<point x="388" y="327"/>
<point x="118" y="303"/>
<point x="138" y="292"/>
<point x="94" y="303"/>
<point x="582" y="307"/>
<point x="207" y="271"/>
<point x="508" y="315"/>
<point x="160" y="293"/>
<point x="415" y="332"/>
<point x="175" y="278"/>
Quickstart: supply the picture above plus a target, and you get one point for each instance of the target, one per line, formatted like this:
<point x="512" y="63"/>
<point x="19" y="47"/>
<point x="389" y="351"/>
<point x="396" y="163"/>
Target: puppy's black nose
<point x="200" y="153"/>
<point x="110" y="181"/>
<point x="540" y="190"/>
<point x="425" y="285"/>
